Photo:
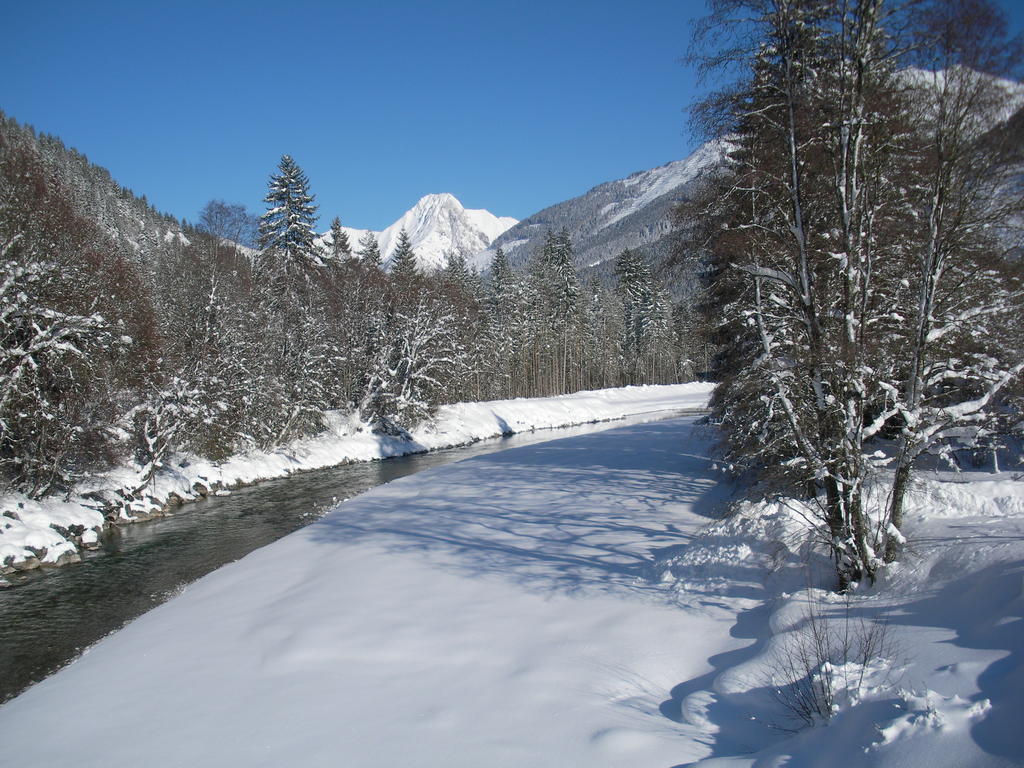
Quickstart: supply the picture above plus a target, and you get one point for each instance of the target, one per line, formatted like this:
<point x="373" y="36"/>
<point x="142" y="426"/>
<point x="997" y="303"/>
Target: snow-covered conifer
<point x="369" y="250"/>
<point x="636" y="289"/>
<point x="403" y="260"/>
<point x="341" y="250"/>
<point x="287" y="227"/>
<point x="419" y="357"/>
<point x="457" y="274"/>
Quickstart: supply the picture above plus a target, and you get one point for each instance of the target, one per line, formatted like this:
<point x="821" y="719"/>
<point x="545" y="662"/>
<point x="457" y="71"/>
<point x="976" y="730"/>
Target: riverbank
<point x="496" y="611"/>
<point x="52" y="531"/>
<point x="574" y="603"/>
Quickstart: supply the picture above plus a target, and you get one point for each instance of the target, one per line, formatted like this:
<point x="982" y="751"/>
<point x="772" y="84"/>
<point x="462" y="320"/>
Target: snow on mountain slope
<point x="634" y="212"/>
<point x="436" y="225"/>
<point x="935" y="81"/>
<point x="648" y="186"/>
<point x="626" y="213"/>
<point x="491" y="225"/>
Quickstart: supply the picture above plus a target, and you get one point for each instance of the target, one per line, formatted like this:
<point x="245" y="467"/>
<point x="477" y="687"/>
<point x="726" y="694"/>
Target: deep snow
<point x="498" y="611"/>
<point x="947" y="686"/>
<point x="573" y="603"/>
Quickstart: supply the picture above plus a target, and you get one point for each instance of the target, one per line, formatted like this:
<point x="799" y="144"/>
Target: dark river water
<point x="51" y="615"/>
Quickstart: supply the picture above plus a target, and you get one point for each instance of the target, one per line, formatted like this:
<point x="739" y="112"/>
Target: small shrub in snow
<point x="829" y="661"/>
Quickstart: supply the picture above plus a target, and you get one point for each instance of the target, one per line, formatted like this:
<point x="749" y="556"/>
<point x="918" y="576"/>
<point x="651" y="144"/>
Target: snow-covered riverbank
<point x="495" y="611"/>
<point x="924" y="669"/>
<point x="574" y="603"/>
<point x="50" y="531"/>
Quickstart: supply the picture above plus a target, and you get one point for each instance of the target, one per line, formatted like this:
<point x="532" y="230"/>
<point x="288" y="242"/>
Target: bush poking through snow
<point x="830" y="659"/>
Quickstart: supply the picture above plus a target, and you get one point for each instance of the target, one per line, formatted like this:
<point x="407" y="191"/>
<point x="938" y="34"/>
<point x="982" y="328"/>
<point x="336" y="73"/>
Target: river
<point x="51" y="615"/>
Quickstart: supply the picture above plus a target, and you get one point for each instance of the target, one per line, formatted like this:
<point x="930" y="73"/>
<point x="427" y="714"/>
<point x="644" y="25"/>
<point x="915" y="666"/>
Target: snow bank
<point x="50" y="531"/>
<point x="942" y="680"/>
<point x="491" y="612"/>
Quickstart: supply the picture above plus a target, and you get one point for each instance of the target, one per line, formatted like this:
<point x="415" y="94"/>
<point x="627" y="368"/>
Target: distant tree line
<point x="128" y="336"/>
<point x="863" y="292"/>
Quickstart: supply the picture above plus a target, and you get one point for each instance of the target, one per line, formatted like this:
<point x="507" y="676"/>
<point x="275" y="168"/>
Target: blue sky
<point x="509" y="106"/>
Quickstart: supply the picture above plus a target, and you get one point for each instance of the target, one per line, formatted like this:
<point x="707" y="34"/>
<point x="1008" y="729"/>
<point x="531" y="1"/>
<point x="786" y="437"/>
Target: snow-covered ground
<point x="925" y="669"/>
<point x="497" y="611"/>
<point x="572" y="603"/>
<point x="49" y="531"/>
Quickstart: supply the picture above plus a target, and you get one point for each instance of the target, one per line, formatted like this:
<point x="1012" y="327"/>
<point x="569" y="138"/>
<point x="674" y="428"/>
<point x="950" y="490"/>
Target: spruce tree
<point x="340" y="247"/>
<point x="636" y="289"/>
<point x="369" y="250"/>
<point x="555" y="310"/>
<point x="403" y="261"/>
<point x="287" y="228"/>
<point x="504" y="330"/>
<point x="500" y="293"/>
<point x="565" y="289"/>
<point x="458" y="274"/>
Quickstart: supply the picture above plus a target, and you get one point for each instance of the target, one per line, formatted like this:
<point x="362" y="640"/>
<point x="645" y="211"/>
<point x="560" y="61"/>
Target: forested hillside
<point x="126" y="336"/>
<point x="635" y="212"/>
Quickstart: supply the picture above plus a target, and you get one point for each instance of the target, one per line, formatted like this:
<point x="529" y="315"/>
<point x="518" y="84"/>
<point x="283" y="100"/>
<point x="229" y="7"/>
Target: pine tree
<point x="563" y="295"/>
<point x="504" y="291"/>
<point x="369" y="250"/>
<point x="501" y="275"/>
<point x="340" y="248"/>
<point x="602" y="336"/>
<point x="403" y="260"/>
<point x="418" y="359"/>
<point x="636" y="290"/>
<point x="504" y="331"/>
<point x="456" y="273"/>
<point x="287" y="228"/>
<point x="565" y="289"/>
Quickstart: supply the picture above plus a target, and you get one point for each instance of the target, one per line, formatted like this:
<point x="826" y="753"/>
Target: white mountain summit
<point x="436" y="225"/>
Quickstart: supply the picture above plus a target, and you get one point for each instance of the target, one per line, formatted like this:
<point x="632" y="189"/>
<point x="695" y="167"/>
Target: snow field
<point x="573" y="603"/>
<point x="50" y="530"/>
<point x="498" y="611"/>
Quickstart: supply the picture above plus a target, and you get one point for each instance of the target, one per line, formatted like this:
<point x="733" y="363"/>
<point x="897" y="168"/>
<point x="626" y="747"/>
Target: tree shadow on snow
<point x="736" y="729"/>
<point x="590" y="511"/>
<point x="756" y="723"/>
<point x="985" y="610"/>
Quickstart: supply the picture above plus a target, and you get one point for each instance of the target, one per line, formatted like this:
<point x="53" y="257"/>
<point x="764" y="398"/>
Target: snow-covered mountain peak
<point x="437" y="224"/>
<point x="438" y="200"/>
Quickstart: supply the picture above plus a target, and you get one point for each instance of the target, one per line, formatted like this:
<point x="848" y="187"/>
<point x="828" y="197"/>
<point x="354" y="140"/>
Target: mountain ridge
<point x="631" y="212"/>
